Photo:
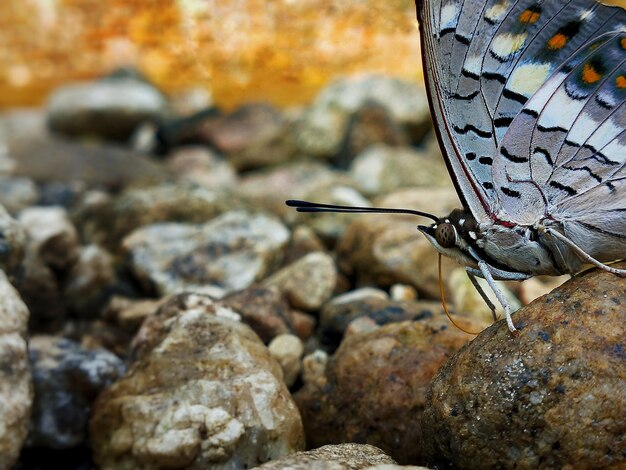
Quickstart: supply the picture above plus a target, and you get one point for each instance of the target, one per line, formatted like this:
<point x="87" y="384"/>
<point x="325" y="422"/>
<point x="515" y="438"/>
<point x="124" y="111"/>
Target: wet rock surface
<point x="554" y="396"/>
<point x="224" y="405"/>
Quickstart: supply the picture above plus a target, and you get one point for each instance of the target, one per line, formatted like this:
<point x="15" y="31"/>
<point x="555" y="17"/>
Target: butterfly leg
<point x="581" y="253"/>
<point x="482" y="293"/>
<point x="485" y="270"/>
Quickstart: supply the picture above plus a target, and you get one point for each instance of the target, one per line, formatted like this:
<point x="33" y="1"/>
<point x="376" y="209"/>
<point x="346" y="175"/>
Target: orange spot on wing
<point x="590" y="75"/>
<point x="623" y="43"/>
<point x="557" y="41"/>
<point x="620" y="81"/>
<point x="529" y="16"/>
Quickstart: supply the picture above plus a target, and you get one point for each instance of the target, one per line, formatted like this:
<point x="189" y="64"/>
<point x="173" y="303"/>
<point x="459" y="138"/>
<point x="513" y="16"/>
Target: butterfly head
<point x="451" y="235"/>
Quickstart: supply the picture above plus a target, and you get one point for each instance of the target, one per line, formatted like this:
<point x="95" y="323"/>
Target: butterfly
<point x="529" y="104"/>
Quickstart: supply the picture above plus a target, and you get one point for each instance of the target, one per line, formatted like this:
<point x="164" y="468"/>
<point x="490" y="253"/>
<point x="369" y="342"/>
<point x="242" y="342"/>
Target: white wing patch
<point x="506" y="44"/>
<point x="526" y="79"/>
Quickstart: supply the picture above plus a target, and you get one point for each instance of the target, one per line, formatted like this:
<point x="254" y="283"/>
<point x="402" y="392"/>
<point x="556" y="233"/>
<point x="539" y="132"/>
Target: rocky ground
<point x="161" y="307"/>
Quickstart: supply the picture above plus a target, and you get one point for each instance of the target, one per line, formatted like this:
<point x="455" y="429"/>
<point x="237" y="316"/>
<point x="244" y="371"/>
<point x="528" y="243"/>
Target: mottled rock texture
<point x="202" y="393"/>
<point x="553" y="397"/>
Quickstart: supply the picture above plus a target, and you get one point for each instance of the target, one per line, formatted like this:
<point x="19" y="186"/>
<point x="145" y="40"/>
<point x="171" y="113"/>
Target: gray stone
<point x="323" y="127"/>
<point x="67" y="379"/>
<point x="16" y="392"/>
<point x="17" y="193"/>
<point x="216" y="396"/>
<point x="110" y="108"/>
<point x="201" y="166"/>
<point x="225" y="255"/>
<point x="12" y="242"/>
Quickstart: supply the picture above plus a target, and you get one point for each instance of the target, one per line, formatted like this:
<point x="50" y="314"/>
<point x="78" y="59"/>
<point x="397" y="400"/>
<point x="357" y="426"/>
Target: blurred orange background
<point x="281" y="51"/>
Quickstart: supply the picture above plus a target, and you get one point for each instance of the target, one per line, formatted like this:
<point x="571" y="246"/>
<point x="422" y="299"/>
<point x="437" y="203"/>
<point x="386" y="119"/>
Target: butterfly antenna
<point x="306" y="206"/>
<point x="445" y="306"/>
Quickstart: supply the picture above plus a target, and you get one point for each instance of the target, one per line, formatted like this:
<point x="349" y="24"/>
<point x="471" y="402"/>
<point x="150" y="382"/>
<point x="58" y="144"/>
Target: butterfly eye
<point x="445" y="234"/>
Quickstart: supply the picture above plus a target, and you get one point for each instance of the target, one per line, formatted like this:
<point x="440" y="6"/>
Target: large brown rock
<point x="374" y="387"/>
<point x="553" y="397"/>
<point x="202" y="392"/>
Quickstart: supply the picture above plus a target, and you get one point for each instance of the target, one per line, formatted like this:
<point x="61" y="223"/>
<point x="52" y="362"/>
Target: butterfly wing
<point x="483" y="61"/>
<point x="564" y="155"/>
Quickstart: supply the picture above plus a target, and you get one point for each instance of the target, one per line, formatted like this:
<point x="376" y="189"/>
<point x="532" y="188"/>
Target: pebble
<point x="217" y="398"/>
<point x="110" y="108"/>
<point x="308" y="282"/>
<point x="16" y="389"/>
<point x="288" y="350"/>
<point x="52" y="236"/>
<point x="67" y="378"/>
<point x="202" y="166"/>
<point x="222" y="256"/>
<point x="553" y="397"/>
<point x="12" y="242"/>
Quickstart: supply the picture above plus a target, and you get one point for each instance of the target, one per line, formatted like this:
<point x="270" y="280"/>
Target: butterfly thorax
<point x="505" y="246"/>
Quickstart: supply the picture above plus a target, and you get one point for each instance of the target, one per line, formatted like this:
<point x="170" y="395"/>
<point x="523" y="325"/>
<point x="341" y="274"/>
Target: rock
<point x="314" y="369"/>
<point x="343" y="310"/>
<point x="98" y="334"/>
<point x="51" y="235"/>
<point x="12" y="242"/>
<point x="308" y="282"/>
<point x="303" y="241"/>
<point x="375" y="387"/>
<point x="110" y="108"/>
<point x="216" y="398"/>
<point x="106" y="223"/>
<point x="303" y="324"/>
<point x="253" y="136"/>
<point x="16" y="394"/>
<point x="67" y="379"/>
<point x="90" y="282"/>
<point x="381" y="169"/>
<point x="288" y="350"/>
<point x="271" y="187"/>
<point x="369" y="125"/>
<point x="39" y="288"/>
<point x="17" y="193"/>
<point x="264" y="310"/>
<point x="535" y="287"/>
<point x="47" y="159"/>
<point x="402" y="292"/>
<point x="329" y="226"/>
<point x="332" y="457"/>
<point x="387" y="249"/>
<point x="552" y="397"/>
<point x="468" y="301"/>
<point x="62" y="194"/>
<point x="129" y="314"/>
<point x="190" y="101"/>
<point x="201" y="166"/>
<point x="324" y="124"/>
<point x="222" y="256"/>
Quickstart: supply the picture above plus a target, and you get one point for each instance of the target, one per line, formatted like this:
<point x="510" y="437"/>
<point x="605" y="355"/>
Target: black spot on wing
<point x="510" y="192"/>
<point x="514" y="96"/>
<point x="468" y="74"/>
<point x="503" y="121"/>
<point x="486" y="160"/>
<point x="604" y="104"/>
<point x="446" y="31"/>
<point x="551" y="129"/>
<point x="587" y="169"/>
<point x="530" y="112"/>
<point x="469" y="97"/>
<point x="462" y="39"/>
<point x="471" y="128"/>
<point x="512" y="158"/>
<point x="470" y="156"/>
<point x="494" y="76"/>
<point x="569" y="190"/>
<point x="545" y="153"/>
<point x="487" y="185"/>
